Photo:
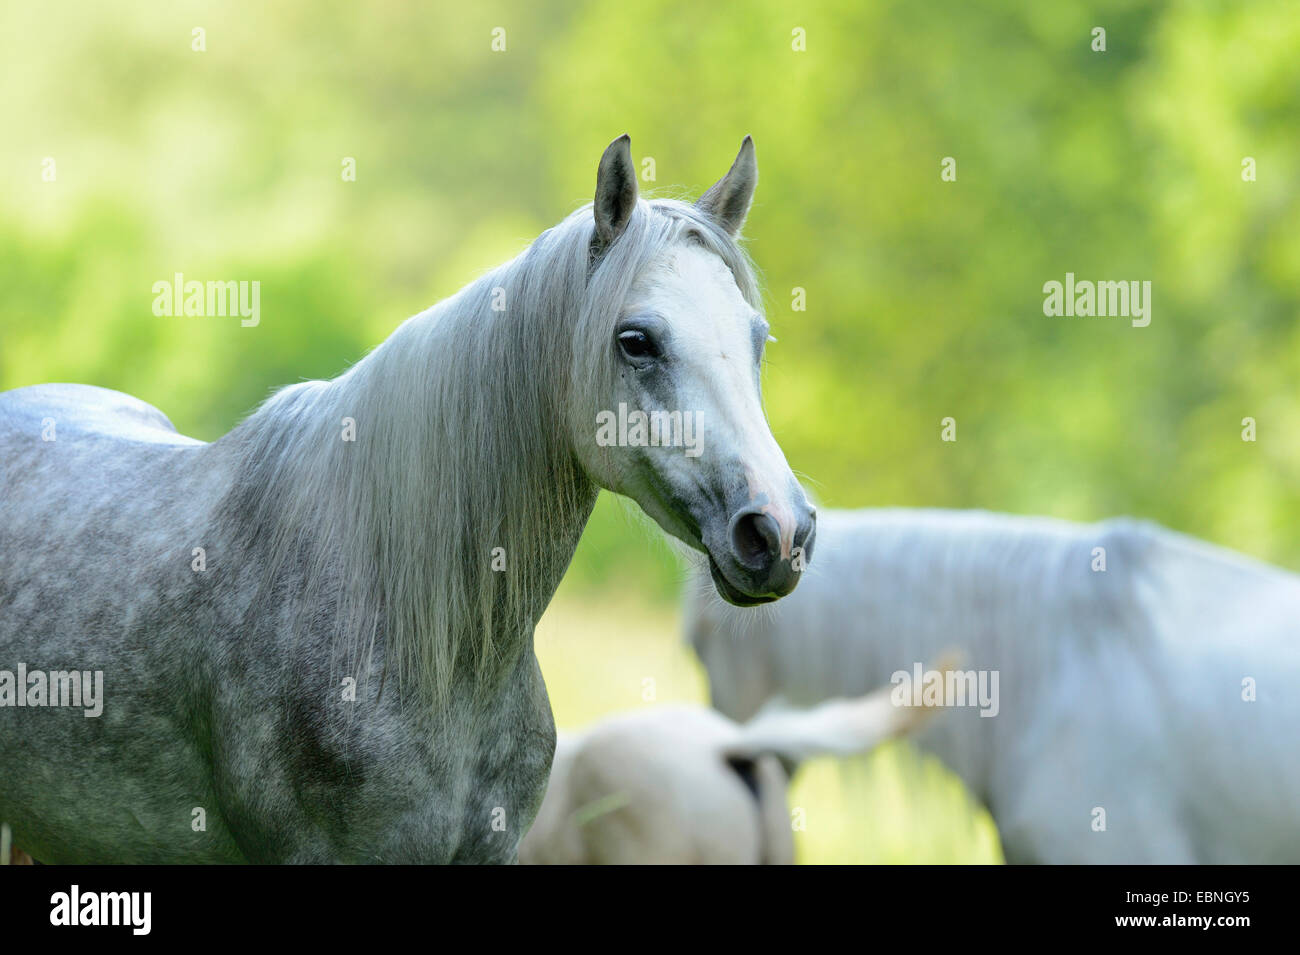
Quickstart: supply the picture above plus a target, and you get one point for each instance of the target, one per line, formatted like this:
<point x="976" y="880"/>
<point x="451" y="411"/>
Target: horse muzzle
<point x="763" y="556"/>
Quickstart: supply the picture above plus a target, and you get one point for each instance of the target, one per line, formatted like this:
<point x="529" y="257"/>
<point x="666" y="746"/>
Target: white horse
<point x="1147" y="680"/>
<point x="682" y="784"/>
<point x="315" y="635"/>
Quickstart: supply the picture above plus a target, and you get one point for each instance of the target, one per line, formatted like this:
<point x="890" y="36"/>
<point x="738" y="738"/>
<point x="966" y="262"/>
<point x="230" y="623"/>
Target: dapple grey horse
<point x="315" y="635"/>
<point x="1147" y="697"/>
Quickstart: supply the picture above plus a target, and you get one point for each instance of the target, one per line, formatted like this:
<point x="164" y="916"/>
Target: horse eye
<point x="637" y="344"/>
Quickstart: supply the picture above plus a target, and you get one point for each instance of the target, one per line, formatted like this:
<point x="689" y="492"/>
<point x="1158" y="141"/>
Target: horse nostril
<point x="756" y="539"/>
<point x="806" y="535"/>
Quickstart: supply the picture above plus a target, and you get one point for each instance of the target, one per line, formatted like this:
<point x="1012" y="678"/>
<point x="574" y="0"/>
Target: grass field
<point x="606" y="655"/>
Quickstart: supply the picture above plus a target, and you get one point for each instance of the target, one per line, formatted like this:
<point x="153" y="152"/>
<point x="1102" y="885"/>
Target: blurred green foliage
<point x="924" y="297"/>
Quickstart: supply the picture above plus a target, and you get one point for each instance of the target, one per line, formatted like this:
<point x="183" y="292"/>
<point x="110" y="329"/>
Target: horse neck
<point x="1021" y="592"/>
<point x="451" y="509"/>
<point x="980" y="585"/>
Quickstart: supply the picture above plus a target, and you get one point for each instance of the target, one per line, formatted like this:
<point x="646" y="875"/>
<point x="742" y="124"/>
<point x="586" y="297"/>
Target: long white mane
<point x="445" y="526"/>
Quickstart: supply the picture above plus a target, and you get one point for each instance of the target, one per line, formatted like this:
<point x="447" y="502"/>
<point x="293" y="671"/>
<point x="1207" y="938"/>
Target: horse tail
<point x="841" y="727"/>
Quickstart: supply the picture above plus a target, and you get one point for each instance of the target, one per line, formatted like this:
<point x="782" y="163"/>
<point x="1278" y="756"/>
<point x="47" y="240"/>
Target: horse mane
<point x="464" y="423"/>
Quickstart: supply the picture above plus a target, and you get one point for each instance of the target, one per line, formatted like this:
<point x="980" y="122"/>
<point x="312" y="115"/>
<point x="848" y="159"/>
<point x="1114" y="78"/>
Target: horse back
<point x="42" y="412"/>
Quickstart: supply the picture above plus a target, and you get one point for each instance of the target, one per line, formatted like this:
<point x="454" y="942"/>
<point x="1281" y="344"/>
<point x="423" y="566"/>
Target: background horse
<point x="315" y="633"/>
<point x="682" y="784"/>
<point x="1141" y="672"/>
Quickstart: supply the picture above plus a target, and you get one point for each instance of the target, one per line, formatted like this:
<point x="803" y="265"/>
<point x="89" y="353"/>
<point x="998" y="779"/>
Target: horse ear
<point x="727" y="201"/>
<point x="615" y="191"/>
